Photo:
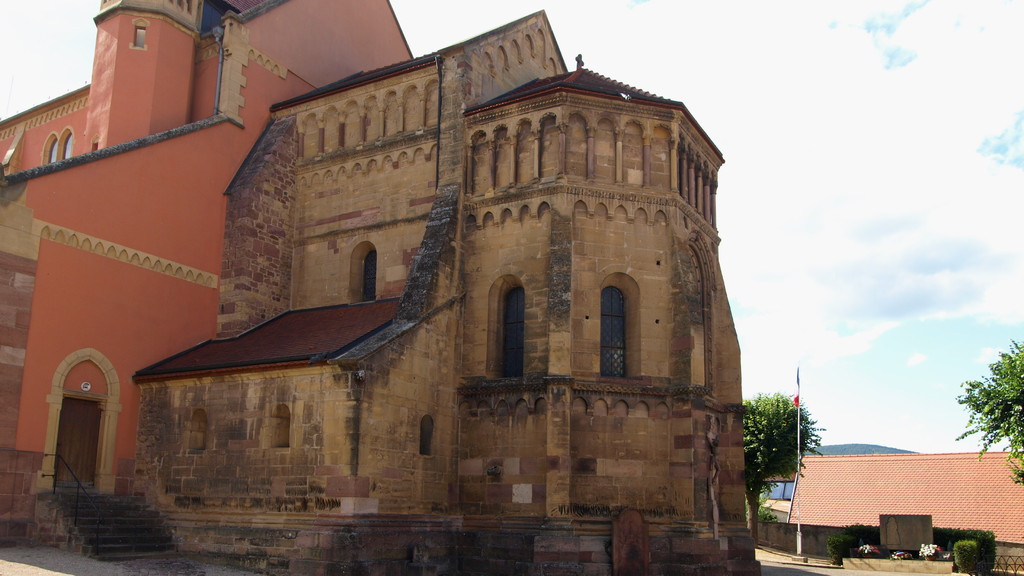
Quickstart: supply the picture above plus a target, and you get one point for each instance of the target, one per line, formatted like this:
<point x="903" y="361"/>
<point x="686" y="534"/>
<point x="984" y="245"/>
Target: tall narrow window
<point x="139" y="40"/>
<point x="281" y="427"/>
<point x="426" y="435"/>
<point x="197" y="430"/>
<point x="67" y="145"/>
<point x="613" y="332"/>
<point x="51" y="152"/>
<point x="513" y="333"/>
<point x="370" y="276"/>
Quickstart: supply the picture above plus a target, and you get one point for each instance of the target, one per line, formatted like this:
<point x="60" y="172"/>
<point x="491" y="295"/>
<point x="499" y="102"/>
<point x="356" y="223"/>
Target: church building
<point x="333" y="309"/>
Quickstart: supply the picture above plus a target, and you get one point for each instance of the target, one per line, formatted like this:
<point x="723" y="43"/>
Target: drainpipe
<point x="218" y="36"/>
<point x="439" y="62"/>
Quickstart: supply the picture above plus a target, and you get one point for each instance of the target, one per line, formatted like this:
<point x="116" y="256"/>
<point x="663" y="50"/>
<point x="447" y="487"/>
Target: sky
<point x="870" y="203"/>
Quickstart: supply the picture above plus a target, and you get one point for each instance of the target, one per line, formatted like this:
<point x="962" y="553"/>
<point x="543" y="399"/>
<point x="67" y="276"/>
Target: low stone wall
<point x="782" y="536"/>
<point x="1009" y="549"/>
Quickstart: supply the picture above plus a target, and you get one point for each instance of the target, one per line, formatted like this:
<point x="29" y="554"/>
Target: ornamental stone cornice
<point x="517" y="109"/>
<point x="691" y="392"/>
<point x="479" y="386"/>
<point x="368" y="150"/>
<point x="620" y="193"/>
<point x="622" y="388"/>
<point x="359" y="230"/>
<point x="123" y="253"/>
<point x="48" y="112"/>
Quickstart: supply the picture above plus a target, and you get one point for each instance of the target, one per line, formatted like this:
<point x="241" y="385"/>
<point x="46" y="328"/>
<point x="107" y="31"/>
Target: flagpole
<point x="799" y="462"/>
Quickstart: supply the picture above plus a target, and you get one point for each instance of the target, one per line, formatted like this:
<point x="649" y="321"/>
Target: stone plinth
<point x="905" y="531"/>
<point x="908" y="566"/>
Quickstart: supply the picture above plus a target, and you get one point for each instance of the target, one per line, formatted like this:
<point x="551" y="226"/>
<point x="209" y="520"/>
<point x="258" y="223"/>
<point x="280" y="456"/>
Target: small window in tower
<point x="139" y="40"/>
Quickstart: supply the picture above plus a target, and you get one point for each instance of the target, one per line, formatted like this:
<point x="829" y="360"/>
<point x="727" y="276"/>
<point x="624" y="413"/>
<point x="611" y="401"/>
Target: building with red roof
<point x="957" y="490"/>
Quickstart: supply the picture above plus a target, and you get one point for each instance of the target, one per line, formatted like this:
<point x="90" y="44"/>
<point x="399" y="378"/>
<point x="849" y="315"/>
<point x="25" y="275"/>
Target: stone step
<point x="110" y="527"/>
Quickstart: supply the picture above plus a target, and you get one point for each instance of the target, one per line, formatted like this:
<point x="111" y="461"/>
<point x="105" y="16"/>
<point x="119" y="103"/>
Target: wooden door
<point x="77" y="439"/>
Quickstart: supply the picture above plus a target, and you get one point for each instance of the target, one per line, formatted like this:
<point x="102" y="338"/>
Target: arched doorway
<point x="84" y="401"/>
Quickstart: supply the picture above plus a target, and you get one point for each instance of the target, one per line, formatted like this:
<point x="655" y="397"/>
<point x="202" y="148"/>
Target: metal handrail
<point x="79" y="490"/>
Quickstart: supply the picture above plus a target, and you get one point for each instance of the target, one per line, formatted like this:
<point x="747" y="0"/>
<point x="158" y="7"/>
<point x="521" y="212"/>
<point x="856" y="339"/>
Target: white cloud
<point x="1007" y="147"/>
<point x="988" y="356"/>
<point x="917" y="359"/>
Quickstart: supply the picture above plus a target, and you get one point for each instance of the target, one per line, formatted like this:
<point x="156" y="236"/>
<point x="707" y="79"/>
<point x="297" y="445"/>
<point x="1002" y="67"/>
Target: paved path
<point x="45" y="561"/>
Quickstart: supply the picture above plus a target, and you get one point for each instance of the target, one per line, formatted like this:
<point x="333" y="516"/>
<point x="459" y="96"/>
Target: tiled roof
<point x="243" y="5"/>
<point x="357" y="79"/>
<point x="295" y="336"/>
<point x="580" y="79"/>
<point x="590" y="82"/>
<point x="957" y="490"/>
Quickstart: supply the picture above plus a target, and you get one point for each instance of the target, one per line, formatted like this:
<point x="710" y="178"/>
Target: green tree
<point x="769" y="445"/>
<point x="996" y="405"/>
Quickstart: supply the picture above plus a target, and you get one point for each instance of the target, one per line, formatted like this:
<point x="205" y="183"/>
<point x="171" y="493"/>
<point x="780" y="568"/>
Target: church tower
<point x="143" y="68"/>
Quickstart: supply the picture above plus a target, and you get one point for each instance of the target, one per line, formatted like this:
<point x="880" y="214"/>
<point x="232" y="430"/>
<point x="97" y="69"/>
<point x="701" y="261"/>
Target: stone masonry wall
<point x="18" y="473"/>
<point x="17" y="283"/>
<point x="369" y="185"/>
<point x="258" y="235"/>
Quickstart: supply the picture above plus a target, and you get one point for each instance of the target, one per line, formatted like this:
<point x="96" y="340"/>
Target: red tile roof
<point x="243" y="5"/>
<point x="295" y="336"/>
<point x="583" y="80"/>
<point x="587" y="81"/>
<point x="957" y="490"/>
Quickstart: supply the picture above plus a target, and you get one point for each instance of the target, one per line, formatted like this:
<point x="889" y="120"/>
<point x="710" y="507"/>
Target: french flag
<point x="796" y="399"/>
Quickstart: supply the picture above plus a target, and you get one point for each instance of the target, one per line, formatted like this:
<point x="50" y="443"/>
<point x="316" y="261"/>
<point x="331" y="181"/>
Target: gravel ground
<point x="46" y="561"/>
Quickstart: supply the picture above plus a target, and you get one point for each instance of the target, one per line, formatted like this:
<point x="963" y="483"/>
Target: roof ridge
<point x="622" y="84"/>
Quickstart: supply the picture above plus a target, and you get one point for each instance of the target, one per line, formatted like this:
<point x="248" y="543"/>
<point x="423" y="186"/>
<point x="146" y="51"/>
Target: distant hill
<point x="850" y="449"/>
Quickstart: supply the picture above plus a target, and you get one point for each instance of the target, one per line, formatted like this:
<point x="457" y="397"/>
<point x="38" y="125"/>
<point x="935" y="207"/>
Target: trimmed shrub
<point x="965" y="555"/>
<point x="986" y="540"/>
<point x="864" y="534"/>
<point x="839" y="547"/>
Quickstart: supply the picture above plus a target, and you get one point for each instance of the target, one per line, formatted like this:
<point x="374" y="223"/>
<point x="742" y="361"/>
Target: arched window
<point x="426" y="435"/>
<point x="613" y="332"/>
<point x="370" y="276"/>
<point x="67" y="146"/>
<point x="282" y="424"/>
<point x="513" y="333"/>
<point x="52" y="150"/>
<point x="197" y="430"/>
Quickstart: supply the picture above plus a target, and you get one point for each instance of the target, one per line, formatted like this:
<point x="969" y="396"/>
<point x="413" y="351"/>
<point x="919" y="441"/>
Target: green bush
<point x="839" y="547"/>
<point x="986" y="540"/>
<point x="965" y="555"/>
<point x="864" y="534"/>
